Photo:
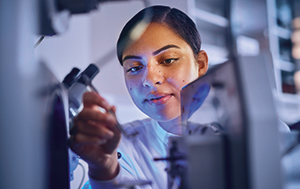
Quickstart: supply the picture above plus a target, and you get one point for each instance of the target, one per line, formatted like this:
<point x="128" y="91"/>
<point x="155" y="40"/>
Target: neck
<point x="173" y="126"/>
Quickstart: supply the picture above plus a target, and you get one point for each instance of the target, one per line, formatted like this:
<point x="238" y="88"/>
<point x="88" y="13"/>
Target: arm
<point x="95" y="138"/>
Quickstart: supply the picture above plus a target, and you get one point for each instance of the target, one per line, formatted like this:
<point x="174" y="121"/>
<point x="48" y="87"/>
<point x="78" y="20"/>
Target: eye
<point x="134" y="69"/>
<point x="169" y="61"/>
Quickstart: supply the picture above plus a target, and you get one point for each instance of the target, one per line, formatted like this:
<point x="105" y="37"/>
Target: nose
<point x="153" y="76"/>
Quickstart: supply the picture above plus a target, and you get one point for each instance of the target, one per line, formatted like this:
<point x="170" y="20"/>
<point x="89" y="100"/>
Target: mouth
<point x="158" y="99"/>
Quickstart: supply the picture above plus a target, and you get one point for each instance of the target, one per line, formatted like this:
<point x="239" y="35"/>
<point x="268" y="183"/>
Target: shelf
<point x="209" y="17"/>
<point x="281" y="32"/>
<point x="214" y="6"/>
<point x="217" y="55"/>
<point x="287" y="98"/>
<point x="286" y="66"/>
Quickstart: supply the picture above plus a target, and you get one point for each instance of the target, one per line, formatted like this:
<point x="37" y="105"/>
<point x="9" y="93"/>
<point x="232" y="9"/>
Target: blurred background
<point x="274" y="26"/>
<point x="271" y="26"/>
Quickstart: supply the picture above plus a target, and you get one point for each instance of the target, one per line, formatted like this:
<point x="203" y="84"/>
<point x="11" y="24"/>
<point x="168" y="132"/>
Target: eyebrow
<point x="131" y="57"/>
<point x="154" y="53"/>
<point x="165" y="48"/>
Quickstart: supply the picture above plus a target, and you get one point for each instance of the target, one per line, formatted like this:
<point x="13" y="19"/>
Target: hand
<point x="95" y="137"/>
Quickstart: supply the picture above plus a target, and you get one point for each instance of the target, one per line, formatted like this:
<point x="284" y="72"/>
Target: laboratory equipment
<point x="77" y="84"/>
<point x="245" y="152"/>
<point x="34" y="104"/>
<point x="55" y="14"/>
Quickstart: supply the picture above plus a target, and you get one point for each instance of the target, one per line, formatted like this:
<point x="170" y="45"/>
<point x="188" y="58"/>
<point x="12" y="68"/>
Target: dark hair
<point x="175" y="19"/>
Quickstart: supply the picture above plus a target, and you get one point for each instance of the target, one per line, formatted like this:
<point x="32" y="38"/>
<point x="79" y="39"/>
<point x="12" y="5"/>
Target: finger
<point x="82" y="139"/>
<point x="113" y="113"/>
<point x="92" y="98"/>
<point x="113" y="108"/>
<point x="95" y="115"/>
<point x="94" y="129"/>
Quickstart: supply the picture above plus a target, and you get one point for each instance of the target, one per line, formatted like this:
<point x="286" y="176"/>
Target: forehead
<point x="155" y="36"/>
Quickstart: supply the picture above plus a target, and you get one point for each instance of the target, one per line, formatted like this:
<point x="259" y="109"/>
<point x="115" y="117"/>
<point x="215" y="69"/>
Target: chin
<point x="165" y="118"/>
<point x="163" y="114"/>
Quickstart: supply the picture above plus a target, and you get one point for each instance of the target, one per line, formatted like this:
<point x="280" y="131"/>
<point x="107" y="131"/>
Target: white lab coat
<point x="137" y="155"/>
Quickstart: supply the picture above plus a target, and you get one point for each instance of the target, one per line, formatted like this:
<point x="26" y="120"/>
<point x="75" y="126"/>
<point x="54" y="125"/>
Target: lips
<point x="158" y="99"/>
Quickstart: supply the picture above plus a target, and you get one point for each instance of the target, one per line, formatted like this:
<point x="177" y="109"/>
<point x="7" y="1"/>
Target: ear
<point x="202" y="61"/>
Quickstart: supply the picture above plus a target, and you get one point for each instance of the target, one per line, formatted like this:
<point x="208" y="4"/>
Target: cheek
<point x="132" y="88"/>
<point x="183" y="74"/>
<point x="177" y="82"/>
<point x="190" y="74"/>
<point x="182" y="78"/>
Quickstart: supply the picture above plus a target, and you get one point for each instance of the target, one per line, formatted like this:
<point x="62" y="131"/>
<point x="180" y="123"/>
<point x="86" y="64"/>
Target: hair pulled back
<point x="173" y="18"/>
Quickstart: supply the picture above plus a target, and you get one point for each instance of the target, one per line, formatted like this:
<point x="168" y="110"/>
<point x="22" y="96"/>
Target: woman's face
<point x="156" y="67"/>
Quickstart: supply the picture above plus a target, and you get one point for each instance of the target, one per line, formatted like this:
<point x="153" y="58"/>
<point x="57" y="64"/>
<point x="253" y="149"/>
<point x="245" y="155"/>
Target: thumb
<point x="92" y="98"/>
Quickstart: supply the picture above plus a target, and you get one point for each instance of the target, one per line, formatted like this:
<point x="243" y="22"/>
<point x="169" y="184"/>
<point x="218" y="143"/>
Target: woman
<point x="157" y="63"/>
